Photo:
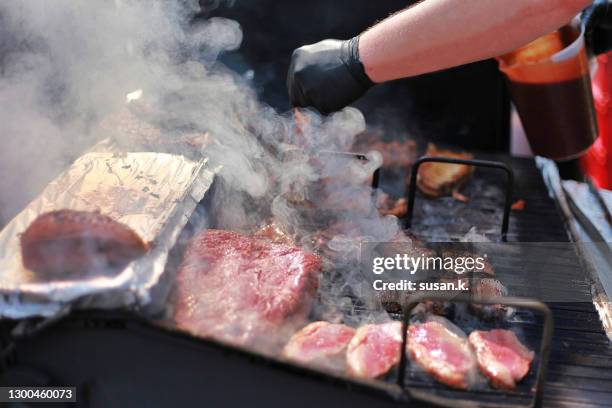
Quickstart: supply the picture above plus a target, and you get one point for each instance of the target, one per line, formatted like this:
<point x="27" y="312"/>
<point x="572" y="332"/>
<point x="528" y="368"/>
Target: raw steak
<point x="374" y="349"/>
<point x="244" y="290"/>
<point x="67" y="241"/>
<point x="501" y="357"/>
<point x="320" y="343"/>
<point x="444" y="353"/>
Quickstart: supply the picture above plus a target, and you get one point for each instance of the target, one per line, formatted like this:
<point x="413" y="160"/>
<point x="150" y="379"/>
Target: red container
<point x="550" y="85"/>
<point x="598" y="160"/>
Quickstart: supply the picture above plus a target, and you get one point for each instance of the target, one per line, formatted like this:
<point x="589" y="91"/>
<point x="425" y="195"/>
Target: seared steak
<point x="68" y="241"/>
<point x="439" y="179"/>
<point x="243" y="290"/>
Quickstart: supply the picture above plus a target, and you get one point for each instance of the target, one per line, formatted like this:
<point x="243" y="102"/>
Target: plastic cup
<point x="550" y="86"/>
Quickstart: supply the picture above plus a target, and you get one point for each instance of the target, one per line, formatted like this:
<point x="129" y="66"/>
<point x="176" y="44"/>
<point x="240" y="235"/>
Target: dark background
<point x="466" y="106"/>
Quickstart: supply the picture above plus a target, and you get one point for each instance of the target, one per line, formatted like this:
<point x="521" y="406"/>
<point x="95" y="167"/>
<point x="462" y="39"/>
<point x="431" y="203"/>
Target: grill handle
<point x="517" y="302"/>
<point x="476" y="163"/>
<point x="355" y="156"/>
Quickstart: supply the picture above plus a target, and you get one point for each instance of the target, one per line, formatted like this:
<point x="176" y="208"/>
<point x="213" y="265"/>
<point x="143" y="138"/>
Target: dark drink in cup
<point x="551" y="88"/>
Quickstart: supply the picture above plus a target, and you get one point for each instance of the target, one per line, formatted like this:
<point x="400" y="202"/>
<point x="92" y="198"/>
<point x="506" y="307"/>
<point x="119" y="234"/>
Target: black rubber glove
<point x="597" y="20"/>
<point x="327" y="75"/>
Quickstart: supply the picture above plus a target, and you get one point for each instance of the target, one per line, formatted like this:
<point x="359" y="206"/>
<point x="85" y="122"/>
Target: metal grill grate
<point x="580" y="368"/>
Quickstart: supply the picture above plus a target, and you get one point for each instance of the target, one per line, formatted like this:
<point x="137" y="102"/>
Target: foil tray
<point x="152" y="193"/>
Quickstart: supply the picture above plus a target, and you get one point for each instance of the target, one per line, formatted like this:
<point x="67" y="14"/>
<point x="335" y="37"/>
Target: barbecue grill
<point x="120" y="358"/>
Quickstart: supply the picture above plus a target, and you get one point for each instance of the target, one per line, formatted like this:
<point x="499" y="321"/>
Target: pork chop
<point x="321" y="344"/>
<point x="444" y="353"/>
<point x="501" y="357"/>
<point x="374" y="349"/>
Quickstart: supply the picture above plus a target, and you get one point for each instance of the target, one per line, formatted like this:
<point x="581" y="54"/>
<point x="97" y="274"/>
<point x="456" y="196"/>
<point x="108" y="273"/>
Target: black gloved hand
<point x="597" y="20"/>
<point x="327" y="75"/>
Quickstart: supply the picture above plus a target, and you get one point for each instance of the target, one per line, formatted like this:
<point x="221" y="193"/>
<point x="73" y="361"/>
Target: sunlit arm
<point x="438" y="34"/>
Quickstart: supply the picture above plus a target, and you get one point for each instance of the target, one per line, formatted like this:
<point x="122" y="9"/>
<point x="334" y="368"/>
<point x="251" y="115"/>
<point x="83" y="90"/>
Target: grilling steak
<point x="439" y="179"/>
<point x="374" y="349"/>
<point x="244" y="290"/>
<point x="501" y="357"/>
<point x="320" y="343"/>
<point x="443" y="352"/>
<point x="68" y="241"/>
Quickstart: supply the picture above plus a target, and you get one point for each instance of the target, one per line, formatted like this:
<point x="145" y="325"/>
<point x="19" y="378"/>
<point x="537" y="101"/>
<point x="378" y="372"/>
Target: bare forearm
<point x="438" y="34"/>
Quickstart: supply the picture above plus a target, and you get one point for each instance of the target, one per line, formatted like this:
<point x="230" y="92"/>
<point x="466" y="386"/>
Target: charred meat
<point x="439" y="179"/>
<point x="239" y="289"/>
<point x="374" y="349"/>
<point x="68" y="241"/>
<point x="443" y="351"/>
<point x="388" y="205"/>
<point x="320" y="343"/>
<point x="501" y="357"/>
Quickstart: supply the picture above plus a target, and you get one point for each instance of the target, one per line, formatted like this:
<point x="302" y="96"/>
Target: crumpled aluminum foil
<point x="152" y="193"/>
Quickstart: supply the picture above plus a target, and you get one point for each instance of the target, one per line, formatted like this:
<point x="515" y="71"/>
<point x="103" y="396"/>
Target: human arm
<point x="429" y="36"/>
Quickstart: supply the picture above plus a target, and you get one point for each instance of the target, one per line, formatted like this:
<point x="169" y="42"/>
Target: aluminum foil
<point x="152" y="193"/>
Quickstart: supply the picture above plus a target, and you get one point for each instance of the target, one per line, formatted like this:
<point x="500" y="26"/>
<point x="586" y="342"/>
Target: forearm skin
<point x="439" y="34"/>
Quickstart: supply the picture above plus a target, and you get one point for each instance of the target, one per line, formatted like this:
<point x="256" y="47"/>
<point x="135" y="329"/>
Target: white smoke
<point x="67" y="65"/>
<point x="64" y="65"/>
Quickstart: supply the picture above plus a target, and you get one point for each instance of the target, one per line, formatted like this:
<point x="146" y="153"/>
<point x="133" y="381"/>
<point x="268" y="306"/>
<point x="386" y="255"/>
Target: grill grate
<point x="581" y="357"/>
<point x="580" y="368"/>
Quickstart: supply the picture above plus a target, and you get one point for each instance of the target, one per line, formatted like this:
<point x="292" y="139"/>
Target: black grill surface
<point x="580" y="368"/>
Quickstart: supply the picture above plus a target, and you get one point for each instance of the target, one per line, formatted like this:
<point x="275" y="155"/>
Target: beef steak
<point x="243" y="290"/>
<point x="68" y="241"/>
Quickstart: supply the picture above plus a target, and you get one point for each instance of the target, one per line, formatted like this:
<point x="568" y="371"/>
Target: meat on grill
<point x="244" y="290"/>
<point x="443" y="352"/>
<point x="320" y="343"/>
<point x="374" y="349"/>
<point x="439" y="179"/>
<point x="485" y="289"/>
<point x="501" y="357"/>
<point x="68" y="241"/>
<point x="388" y="205"/>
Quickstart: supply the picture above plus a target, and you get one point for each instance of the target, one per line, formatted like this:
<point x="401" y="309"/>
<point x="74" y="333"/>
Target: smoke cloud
<point x="66" y="67"/>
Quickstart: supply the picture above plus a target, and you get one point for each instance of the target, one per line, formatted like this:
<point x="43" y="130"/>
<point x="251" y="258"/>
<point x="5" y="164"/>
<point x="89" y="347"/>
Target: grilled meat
<point x="439" y="179"/>
<point x="68" y="241"/>
<point x="387" y="205"/>
<point x="444" y="353"/>
<point x="501" y="357"/>
<point x="483" y="289"/>
<point x="240" y="289"/>
<point x="374" y="349"/>
<point x="320" y="343"/>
